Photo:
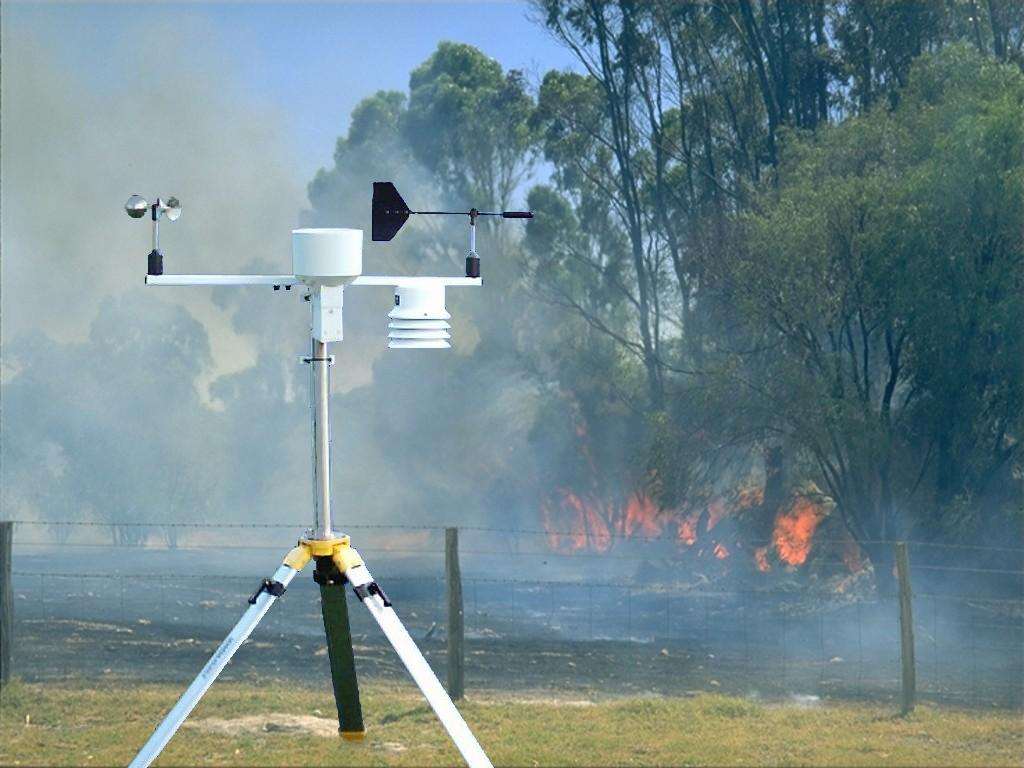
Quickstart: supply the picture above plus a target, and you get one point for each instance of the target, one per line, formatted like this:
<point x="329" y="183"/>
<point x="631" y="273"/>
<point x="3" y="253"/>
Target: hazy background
<point x="765" y="324"/>
<point x="654" y="354"/>
<point x="126" y="403"/>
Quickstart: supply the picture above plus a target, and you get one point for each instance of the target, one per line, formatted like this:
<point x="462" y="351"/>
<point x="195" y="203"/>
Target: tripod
<point x="351" y="566"/>
<point x="326" y="261"/>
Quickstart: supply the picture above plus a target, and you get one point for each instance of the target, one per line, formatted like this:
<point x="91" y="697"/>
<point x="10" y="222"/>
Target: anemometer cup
<point x="419" y="319"/>
<point x="327" y="256"/>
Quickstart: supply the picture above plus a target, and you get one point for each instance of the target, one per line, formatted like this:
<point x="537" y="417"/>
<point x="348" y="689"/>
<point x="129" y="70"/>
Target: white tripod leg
<point x="373" y="598"/>
<point x="260" y="604"/>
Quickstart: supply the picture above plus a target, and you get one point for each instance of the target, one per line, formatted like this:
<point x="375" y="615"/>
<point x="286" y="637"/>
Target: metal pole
<point x="238" y="635"/>
<point x="6" y="601"/>
<point x="359" y="577"/>
<point x="320" y="378"/>
<point x="456" y="629"/>
<point x="155" y="213"/>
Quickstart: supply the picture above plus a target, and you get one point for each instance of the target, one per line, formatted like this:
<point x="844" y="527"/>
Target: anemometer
<point x="326" y="262"/>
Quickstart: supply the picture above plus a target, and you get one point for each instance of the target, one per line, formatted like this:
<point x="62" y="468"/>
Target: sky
<point x="311" y="63"/>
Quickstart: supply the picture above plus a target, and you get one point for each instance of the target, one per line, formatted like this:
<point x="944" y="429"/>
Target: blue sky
<point x="313" y="62"/>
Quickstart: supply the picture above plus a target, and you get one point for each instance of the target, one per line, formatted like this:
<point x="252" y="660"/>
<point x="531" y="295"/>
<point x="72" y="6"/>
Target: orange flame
<point x="641" y="516"/>
<point x="794" y="530"/>
<point x="581" y="520"/>
<point x="687" y="529"/>
<point x="587" y="527"/>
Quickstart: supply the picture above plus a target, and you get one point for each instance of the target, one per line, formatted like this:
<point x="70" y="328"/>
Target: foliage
<point x="121" y="441"/>
<point x="797" y="223"/>
<point x="876" y="288"/>
<point x="467" y="123"/>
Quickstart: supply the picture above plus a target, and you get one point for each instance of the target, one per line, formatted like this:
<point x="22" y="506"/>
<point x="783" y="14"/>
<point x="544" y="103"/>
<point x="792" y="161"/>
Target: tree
<point x="468" y="125"/>
<point x="875" y="288"/>
<point x="123" y="441"/>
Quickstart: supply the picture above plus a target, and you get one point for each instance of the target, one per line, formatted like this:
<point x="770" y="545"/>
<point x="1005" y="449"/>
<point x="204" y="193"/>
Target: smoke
<point x="118" y="444"/>
<point x="74" y="149"/>
<point x="123" y="402"/>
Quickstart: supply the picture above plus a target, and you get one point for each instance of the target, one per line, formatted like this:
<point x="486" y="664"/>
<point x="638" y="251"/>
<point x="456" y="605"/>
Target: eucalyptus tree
<point x="875" y="288"/>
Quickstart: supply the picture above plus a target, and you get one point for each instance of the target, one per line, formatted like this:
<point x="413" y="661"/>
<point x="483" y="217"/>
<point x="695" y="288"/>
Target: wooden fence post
<point x="6" y="601"/>
<point x="456" y="658"/>
<point x="909" y="674"/>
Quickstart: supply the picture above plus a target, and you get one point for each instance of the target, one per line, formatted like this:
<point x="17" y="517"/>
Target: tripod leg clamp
<point x="346" y="558"/>
<point x="365" y="590"/>
<point x="298" y="557"/>
<point x="275" y="588"/>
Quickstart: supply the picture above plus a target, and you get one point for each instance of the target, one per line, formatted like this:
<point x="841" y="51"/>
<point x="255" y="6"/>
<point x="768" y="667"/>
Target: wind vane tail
<point x="388" y="211"/>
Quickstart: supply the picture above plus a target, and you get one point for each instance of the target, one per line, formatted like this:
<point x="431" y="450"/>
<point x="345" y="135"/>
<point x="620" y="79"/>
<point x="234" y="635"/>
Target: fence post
<point x="456" y="658"/>
<point x="909" y="674"/>
<point x="6" y="601"/>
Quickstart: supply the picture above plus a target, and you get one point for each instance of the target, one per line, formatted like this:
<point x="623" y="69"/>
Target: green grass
<point x="91" y="725"/>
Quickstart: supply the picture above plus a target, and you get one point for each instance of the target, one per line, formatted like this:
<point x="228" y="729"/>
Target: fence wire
<point x="628" y="620"/>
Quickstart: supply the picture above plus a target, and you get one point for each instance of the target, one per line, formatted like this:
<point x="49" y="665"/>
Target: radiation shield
<point x="419" y="319"/>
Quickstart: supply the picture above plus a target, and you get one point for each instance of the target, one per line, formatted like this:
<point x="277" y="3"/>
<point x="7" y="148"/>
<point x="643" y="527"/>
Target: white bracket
<point x="328" y="302"/>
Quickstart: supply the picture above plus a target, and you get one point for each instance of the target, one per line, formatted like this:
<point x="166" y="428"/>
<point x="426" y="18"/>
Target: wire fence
<point x="639" y="618"/>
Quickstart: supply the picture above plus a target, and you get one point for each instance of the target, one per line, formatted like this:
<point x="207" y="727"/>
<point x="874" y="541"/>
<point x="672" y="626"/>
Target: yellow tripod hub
<point x="339" y="550"/>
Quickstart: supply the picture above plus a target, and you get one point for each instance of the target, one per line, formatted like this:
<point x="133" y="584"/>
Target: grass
<point x="103" y="724"/>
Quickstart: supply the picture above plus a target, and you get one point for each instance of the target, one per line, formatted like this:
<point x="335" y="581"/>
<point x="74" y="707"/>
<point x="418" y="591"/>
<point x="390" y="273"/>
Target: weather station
<point x="325" y="263"/>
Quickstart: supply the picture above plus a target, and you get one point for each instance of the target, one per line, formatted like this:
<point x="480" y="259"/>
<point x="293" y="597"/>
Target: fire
<point x="580" y="521"/>
<point x="761" y="558"/>
<point x="794" y="530"/>
<point x="588" y="527"/>
<point x="589" y="519"/>
<point x="687" y="529"/>
<point x="641" y="516"/>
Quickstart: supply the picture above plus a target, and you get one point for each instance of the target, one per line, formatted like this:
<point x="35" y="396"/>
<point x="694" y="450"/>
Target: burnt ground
<point x="162" y="616"/>
<point x="717" y="647"/>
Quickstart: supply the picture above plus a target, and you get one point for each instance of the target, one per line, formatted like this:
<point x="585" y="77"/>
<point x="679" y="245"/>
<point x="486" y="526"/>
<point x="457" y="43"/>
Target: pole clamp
<point x="307" y="360"/>
<point x="327" y="573"/>
<point x="275" y="588"/>
<point x="365" y="590"/>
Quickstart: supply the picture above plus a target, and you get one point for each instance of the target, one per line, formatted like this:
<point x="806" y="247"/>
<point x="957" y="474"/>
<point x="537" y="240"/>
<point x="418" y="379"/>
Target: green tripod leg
<point x="339" y="648"/>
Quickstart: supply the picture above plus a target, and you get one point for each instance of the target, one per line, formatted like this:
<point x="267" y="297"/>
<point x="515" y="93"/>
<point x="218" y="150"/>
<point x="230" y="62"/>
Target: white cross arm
<point x="370" y="280"/>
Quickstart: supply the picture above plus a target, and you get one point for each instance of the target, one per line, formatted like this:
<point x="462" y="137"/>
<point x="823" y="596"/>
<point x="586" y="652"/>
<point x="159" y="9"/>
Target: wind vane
<point x="390" y="212"/>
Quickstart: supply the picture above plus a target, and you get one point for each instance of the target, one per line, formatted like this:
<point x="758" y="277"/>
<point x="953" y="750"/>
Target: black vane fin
<point x="389" y="211"/>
